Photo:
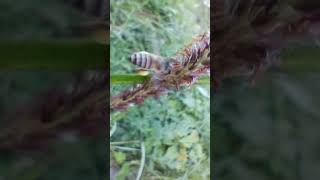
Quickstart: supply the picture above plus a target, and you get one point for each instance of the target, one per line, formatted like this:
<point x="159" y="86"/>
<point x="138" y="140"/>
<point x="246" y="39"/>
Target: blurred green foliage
<point x="81" y="160"/>
<point x="38" y="19"/>
<point x="175" y="128"/>
<point x="269" y="131"/>
<point x="38" y="34"/>
<point x="33" y="21"/>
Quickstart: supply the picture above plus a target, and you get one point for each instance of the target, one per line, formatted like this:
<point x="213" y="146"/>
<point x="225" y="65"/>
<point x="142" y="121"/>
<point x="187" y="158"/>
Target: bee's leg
<point x="190" y="82"/>
<point x="175" y="66"/>
<point x="176" y="84"/>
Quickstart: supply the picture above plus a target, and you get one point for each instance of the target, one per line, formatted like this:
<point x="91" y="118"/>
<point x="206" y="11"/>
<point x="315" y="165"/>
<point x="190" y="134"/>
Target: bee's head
<point x="166" y="67"/>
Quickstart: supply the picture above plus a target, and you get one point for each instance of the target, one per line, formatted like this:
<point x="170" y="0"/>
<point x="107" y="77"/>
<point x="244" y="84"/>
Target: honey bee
<point x="148" y="61"/>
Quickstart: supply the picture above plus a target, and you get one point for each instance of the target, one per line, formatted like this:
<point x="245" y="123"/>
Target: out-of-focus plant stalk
<point x="251" y="36"/>
<point x="138" y="79"/>
<point x="65" y="54"/>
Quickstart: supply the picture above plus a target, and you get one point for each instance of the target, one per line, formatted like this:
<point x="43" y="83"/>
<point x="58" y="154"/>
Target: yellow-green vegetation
<point x="174" y="129"/>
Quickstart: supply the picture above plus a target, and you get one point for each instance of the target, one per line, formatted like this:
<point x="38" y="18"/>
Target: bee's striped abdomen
<point x="144" y="60"/>
<point x="147" y="61"/>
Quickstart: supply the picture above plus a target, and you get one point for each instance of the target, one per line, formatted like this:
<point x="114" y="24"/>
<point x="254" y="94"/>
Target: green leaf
<point x="120" y="157"/>
<point x="203" y="92"/>
<point x="189" y="101"/>
<point x="190" y="139"/>
<point x="196" y="152"/>
<point x="124" y="172"/>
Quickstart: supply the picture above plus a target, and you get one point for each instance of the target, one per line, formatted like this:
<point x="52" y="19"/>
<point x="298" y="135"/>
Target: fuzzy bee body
<point x="150" y="61"/>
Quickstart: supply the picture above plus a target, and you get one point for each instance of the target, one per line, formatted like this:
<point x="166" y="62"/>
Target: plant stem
<point x="135" y="78"/>
<point x="128" y="78"/>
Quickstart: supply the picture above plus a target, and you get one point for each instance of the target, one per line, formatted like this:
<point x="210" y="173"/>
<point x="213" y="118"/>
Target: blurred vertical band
<point x="51" y="52"/>
<point x="60" y="55"/>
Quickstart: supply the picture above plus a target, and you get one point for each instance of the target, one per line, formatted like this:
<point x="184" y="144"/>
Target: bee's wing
<point x="142" y="71"/>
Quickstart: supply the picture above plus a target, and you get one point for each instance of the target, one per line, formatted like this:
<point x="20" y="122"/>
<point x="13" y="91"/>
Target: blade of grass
<point x="125" y="148"/>
<point x="128" y="79"/>
<point x="135" y="78"/>
<point x="142" y="162"/>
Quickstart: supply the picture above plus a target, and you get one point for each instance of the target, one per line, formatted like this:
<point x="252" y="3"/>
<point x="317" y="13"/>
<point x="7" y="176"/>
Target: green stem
<point x="135" y="78"/>
<point x="128" y="78"/>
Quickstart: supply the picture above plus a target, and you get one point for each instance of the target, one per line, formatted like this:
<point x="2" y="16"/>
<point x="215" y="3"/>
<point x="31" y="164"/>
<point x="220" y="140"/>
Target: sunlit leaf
<point x="190" y="139"/>
<point x="120" y="157"/>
